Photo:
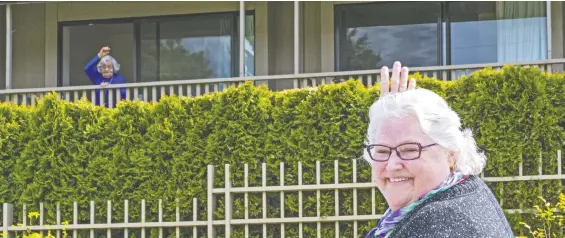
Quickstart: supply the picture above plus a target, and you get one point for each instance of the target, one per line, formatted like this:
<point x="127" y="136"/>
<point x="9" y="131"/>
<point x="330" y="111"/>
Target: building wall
<point x="35" y="33"/>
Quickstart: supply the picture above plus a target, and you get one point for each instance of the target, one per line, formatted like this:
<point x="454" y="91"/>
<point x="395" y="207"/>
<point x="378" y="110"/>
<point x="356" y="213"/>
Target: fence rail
<point x="153" y="91"/>
<point x="209" y="226"/>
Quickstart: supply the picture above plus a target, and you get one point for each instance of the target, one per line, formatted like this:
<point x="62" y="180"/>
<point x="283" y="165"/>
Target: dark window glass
<point x="376" y="34"/>
<point x="371" y="35"/>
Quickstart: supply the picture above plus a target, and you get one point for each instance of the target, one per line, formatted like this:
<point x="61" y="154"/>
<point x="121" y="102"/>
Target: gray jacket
<point x="468" y="209"/>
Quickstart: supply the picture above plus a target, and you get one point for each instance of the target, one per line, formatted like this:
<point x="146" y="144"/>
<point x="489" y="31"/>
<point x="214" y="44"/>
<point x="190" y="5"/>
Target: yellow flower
<point x="4" y="234"/>
<point x="33" y="214"/>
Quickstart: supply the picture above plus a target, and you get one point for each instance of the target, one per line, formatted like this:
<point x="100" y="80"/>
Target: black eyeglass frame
<point x="420" y="148"/>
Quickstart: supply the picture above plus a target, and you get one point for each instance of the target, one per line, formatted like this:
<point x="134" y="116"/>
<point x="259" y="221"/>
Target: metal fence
<point x="153" y="91"/>
<point x="199" y="228"/>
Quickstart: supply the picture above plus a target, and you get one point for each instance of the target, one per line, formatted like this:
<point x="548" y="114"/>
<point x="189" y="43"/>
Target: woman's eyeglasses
<point x="406" y="151"/>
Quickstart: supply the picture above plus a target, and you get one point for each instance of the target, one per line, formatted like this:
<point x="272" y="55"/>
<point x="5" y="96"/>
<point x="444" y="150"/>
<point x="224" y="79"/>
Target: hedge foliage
<point x="60" y="152"/>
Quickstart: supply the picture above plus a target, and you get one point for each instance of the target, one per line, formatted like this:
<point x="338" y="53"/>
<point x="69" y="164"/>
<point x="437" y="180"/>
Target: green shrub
<point x="61" y="152"/>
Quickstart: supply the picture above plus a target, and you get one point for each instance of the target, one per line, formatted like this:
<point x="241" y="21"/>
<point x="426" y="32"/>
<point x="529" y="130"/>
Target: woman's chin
<point x="398" y="199"/>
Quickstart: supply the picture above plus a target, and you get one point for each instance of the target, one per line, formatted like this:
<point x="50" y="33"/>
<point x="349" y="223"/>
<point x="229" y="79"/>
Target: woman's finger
<point x="395" y="77"/>
<point x="384" y="81"/>
<point x="412" y="84"/>
<point x="403" y="79"/>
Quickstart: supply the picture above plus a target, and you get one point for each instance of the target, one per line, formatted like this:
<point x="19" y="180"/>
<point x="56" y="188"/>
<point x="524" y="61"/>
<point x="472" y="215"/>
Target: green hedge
<point x="63" y="152"/>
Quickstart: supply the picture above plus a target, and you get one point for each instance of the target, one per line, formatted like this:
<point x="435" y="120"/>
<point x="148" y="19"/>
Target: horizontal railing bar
<point x="221" y="222"/>
<point x="528" y="210"/>
<point x="314" y="187"/>
<point x="292" y="188"/>
<point x="110" y="226"/>
<point x="525" y="178"/>
<point x="304" y="219"/>
<point x="270" y="77"/>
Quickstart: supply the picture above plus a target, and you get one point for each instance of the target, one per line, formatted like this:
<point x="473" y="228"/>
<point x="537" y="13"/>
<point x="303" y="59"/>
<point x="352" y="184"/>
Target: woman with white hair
<point x="426" y="167"/>
<point x="102" y="70"/>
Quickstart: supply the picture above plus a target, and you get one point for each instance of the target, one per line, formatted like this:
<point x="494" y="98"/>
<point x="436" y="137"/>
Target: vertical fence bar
<point x="246" y="198"/>
<point x="93" y="97"/>
<point x="281" y="172"/>
<point x="111" y="97"/>
<point x="228" y="202"/>
<point x="177" y="218"/>
<point x="559" y="162"/>
<point x="300" y="224"/>
<point x="41" y="216"/>
<point x="92" y="218"/>
<point x="318" y="224"/>
<point x="160" y="218"/>
<point x="24" y="215"/>
<point x="194" y="217"/>
<point x="143" y="212"/>
<point x="373" y="194"/>
<point x="521" y="166"/>
<point x="502" y="195"/>
<point x="128" y="94"/>
<point x="264" y="184"/>
<point x="102" y="97"/>
<point x="540" y="168"/>
<point x="109" y="218"/>
<point x="355" y="198"/>
<point x="7" y="216"/>
<point x="210" y="201"/>
<point x="336" y="196"/>
<point x="75" y="218"/>
<point x="58" y="214"/>
<point x="126" y="217"/>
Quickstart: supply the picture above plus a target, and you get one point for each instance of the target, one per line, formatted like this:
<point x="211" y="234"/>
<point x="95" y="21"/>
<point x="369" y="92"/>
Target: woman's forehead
<point x="400" y="130"/>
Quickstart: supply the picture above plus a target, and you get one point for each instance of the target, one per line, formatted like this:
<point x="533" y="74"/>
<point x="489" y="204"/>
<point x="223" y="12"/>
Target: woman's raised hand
<point x="398" y="82"/>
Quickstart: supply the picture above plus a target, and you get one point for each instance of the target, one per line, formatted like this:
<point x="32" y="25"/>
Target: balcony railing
<point x="152" y="91"/>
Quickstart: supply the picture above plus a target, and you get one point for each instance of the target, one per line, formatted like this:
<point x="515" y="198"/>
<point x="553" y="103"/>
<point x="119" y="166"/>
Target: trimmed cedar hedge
<point x="60" y="152"/>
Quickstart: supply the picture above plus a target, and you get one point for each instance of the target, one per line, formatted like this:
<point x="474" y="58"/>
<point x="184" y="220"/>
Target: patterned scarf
<point x="388" y="222"/>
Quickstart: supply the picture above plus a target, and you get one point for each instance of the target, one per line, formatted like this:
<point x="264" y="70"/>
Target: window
<point x="503" y="32"/>
<point x="160" y="49"/>
<point x="371" y="35"/>
<point x="82" y="42"/>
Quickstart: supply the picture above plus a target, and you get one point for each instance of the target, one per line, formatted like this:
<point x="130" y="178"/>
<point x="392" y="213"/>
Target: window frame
<point x="136" y="23"/>
<point x="444" y="36"/>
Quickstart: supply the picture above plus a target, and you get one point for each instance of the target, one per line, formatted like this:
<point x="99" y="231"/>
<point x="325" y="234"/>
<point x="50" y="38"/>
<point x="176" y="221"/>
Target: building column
<point x="296" y="37"/>
<point x="8" y="46"/>
<point x="241" y="38"/>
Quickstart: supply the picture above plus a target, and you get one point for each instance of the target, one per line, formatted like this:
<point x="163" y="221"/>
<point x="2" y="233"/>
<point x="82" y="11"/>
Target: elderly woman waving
<point x="103" y="70"/>
<point x="426" y="167"/>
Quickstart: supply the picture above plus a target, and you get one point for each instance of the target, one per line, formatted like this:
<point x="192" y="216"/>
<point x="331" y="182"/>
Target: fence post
<point x="210" y="200"/>
<point x="228" y="203"/>
<point x="7" y="217"/>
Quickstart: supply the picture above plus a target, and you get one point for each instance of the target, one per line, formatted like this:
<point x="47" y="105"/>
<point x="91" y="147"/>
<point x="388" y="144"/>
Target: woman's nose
<point x="394" y="162"/>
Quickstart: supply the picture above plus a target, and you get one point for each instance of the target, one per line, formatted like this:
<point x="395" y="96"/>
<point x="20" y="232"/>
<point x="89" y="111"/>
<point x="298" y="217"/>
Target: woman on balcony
<point x="102" y="70"/>
<point x="426" y="167"/>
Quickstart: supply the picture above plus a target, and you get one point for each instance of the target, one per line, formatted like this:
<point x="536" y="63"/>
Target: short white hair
<point x="441" y="123"/>
<point x="109" y="58"/>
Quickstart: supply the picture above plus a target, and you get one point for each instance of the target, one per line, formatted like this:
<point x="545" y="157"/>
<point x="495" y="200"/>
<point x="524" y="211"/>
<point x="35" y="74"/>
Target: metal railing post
<point x="7" y="218"/>
<point x="211" y="204"/>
